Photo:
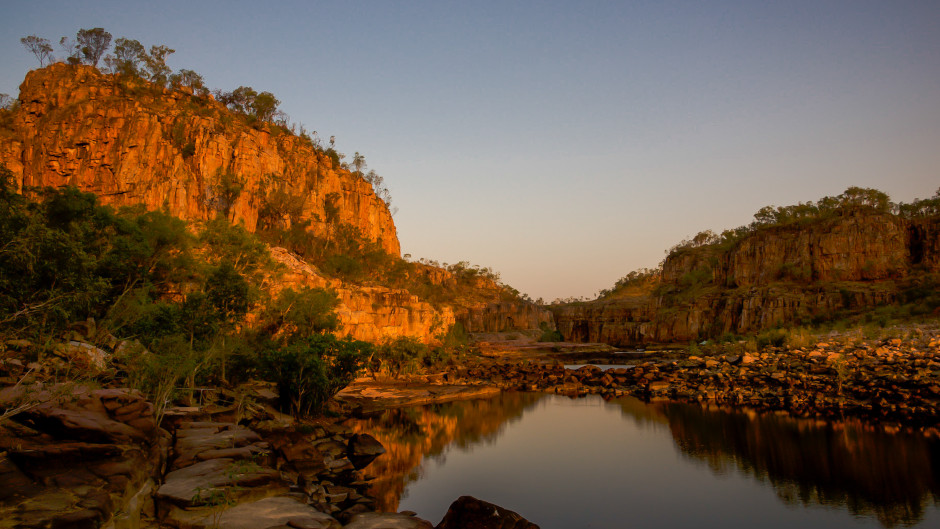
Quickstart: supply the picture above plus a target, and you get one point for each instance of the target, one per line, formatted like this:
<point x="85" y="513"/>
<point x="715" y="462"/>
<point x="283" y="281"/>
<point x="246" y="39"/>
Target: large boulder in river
<point x="363" y="449"/>
<point x="470" y="513"/>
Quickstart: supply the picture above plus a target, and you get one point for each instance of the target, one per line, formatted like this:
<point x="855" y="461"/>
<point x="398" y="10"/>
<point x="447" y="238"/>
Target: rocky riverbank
<point x="80" y="457"/>
<point x="895" y="381"/>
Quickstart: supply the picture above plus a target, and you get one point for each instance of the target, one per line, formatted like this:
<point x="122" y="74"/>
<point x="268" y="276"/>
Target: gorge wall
<point x="133" y="143"/>
<point x="776" y="276"/>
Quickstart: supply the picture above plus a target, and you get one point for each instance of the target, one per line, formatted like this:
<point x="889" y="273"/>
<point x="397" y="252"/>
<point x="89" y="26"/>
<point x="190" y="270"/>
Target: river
<point x="586" y="462"/>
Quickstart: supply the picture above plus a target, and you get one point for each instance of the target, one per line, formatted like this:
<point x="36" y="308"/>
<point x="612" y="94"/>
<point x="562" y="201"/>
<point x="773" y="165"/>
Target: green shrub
<point x="344" y="266"/>
<point x="455" y="337"/>
<point x="310" y="371"/>
<point x="301" y="312"/>
<point x="549" y="334"/>
<point x="773" y="337"/>
<point x="695" y="278"/>
<point x="398" y="355"/>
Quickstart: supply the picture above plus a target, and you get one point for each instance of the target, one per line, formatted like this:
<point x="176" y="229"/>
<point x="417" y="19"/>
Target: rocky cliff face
<point x="858" y="247"/>
<point x="132" y="143"/>
<point x="371" y="314"/>
<point x="776" y="276"/>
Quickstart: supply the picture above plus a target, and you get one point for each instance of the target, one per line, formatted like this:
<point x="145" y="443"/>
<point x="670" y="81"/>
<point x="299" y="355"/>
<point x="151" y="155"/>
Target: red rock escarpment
<point x="782" y="275"/>
<point x="132" y="143"/>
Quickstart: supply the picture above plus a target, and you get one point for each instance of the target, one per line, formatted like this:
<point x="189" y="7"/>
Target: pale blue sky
<point x="564" y="144"/>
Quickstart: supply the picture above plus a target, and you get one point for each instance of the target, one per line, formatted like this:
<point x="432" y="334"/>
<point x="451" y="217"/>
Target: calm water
<point x="603" y="367"/>
<point x="578" y="463"/>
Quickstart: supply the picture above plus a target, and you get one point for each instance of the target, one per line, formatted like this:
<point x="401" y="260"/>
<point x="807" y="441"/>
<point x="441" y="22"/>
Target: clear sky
<point x="565" y="144"/>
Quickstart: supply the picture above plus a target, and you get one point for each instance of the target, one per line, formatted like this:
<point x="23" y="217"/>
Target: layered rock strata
<point x="778" y="276"/>
<point x="77" y="457"/>
<point x="133" y="143"/>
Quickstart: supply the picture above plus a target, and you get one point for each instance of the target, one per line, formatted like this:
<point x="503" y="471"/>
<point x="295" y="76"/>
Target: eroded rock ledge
<point x="88" y="458"/>
<point x="894" y="382"/>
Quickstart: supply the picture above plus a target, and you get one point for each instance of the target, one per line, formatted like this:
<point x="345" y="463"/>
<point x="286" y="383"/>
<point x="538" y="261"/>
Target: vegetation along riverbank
<point x="195" y="294"/>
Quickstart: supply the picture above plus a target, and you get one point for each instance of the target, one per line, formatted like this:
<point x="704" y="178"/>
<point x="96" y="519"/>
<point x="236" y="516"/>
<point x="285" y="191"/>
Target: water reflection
<point x="808" y="462"/>
<point x="412" y="434"/>
<point x="842" y="467"/>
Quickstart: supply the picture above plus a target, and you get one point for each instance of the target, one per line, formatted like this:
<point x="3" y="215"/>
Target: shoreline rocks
<point x="892" y="381"/>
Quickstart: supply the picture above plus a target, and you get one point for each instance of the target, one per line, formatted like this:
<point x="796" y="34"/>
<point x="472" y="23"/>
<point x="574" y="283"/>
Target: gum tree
<point x="39" y="47"/>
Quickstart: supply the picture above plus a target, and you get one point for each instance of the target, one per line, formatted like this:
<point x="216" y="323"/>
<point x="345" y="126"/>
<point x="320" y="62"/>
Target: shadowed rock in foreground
<point x="470" y="513"/>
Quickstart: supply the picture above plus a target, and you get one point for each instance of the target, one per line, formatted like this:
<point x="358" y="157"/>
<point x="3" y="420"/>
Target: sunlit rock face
<point x="371" y="314"/>
<point x="133" y="143"/>
<point x="784" y="275"/>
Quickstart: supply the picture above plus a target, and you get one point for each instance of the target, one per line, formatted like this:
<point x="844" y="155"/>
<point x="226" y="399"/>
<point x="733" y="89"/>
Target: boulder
<point x="85" y="354"/>
<point x="470" y="513"/>
<point x="193" y="484"/>
<point x="199" y="441"/>
<point x="67" y="463"/>
<point x="83" y="425"/>
<point x="363" y="449"/>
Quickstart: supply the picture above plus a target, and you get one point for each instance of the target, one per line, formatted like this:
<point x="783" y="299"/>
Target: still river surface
<point x="586" y="462"/>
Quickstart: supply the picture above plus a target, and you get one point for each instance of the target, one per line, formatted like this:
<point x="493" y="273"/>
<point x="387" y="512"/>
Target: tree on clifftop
<point x="158" y="72"/>
<point x="126" y="57"/>
<point x="39" y="47"/>
<point x="93" y="43"/>
<point x="246" y="100"/>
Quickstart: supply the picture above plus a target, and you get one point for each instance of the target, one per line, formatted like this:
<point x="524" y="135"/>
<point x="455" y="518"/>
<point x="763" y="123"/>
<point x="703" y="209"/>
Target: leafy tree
<point x="280" y="207"/>
<point x="549" y="334"/>
<point x="234" y="244"/>
<point x="222" y="195"/>
<point x="358" y="163"/>
<point x="300" y="312"/>
<point x="925" y="207"/>
<point x="155" y="64"/>
<point x="228" y="291"/>
<point x="191" y="79"/>
<point x="866" y="197"/>
<point x="395" y="356"/>
<point x="126" y="58"/>
<point x="264" y="106"/>
<point x="245" y="100"/>
<point x="39" y="47"/>
<point x="238" y="100"/>
<point x="310" y="371"/>
<point x="93" y="43"/>
<point x="73" y="53"/>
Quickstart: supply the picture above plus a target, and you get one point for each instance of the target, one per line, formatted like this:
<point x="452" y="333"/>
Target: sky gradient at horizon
<point x="565" y="144"/>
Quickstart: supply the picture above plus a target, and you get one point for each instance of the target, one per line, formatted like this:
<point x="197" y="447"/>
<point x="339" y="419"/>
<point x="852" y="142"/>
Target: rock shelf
<point x="896" y="382"/>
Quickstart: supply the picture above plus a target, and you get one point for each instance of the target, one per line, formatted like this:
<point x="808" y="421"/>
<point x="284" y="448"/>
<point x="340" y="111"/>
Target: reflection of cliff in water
<point x="890" y="476"/>
<point x="411" y="434"/>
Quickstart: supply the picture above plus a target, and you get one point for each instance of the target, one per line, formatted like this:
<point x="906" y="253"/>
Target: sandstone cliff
<point x="369" y="313"/>
<point x="374" y="313"/>
<point x="132" y="143"/>
<point x="784" y="275"/>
